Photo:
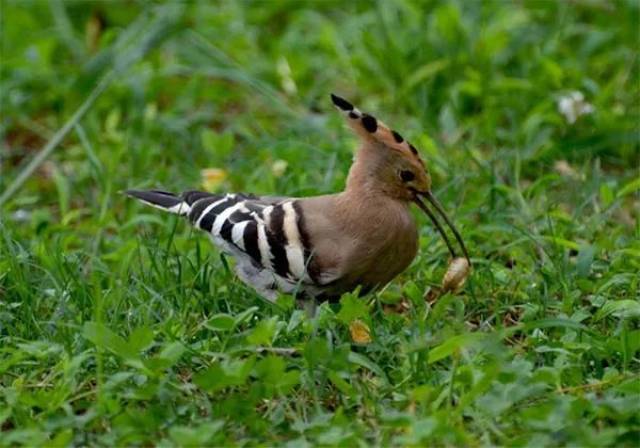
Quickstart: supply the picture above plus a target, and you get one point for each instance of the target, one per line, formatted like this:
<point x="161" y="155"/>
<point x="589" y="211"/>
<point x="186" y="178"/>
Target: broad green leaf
<point x="621" y="280"/>
<point x="172" y="352"/>
<point x="272" y="371"/>
<point x="623" y="309"/>
<point x="546" y="323"/>
<point x="297" y="317"/>
<point x="414" y="292"/>
<point x="562" y="242"/>
<point x="584" y="260"/>
<point x="140" y="339"/>
<point x="225" y="374"/>
<point x="317" y="351"/>
<point x="452" y="345"/>
<point x="362" y="361"/>
<point x="245" y="315"/>
<point x="629" y="188"/>
<point x="195" y="436"/>
<point x="217" y="145"/>
<point x="606" y="195"/>
<point x="62" y="438"/>
<point x="4" y="415"/>
<point x="167" y="357"/>
<point x="342" y="385"/>
<point x="352" y="308"/>
<point x="270" y="368"/>
<point x="104" y="338"/>
<point x="631" y="252"/>
<point x="426" y="72"/>
<point x="264" y="332"/>
<point x="220" y="322"/>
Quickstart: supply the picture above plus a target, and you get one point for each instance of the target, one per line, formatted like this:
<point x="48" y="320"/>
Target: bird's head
<point x="388" y="163"/>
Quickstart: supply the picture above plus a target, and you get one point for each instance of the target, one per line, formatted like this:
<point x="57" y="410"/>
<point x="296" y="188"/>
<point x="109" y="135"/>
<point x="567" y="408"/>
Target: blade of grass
<point x="147" y="41"/>
<point x="239" y="74"/>
<point x="57" y="138"/>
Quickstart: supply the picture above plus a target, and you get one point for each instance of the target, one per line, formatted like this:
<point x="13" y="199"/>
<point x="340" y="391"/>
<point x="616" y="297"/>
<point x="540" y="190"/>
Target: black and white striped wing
<point x="266" y="235"/>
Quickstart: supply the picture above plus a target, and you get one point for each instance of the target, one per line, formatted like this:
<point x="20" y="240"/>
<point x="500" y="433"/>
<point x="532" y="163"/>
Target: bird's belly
<point x="386" y="265"/>
<point x="268" y="284"/>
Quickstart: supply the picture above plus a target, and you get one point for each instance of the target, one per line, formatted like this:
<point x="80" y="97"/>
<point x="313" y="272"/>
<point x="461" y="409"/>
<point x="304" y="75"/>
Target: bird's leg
<point x="310" y="306"/>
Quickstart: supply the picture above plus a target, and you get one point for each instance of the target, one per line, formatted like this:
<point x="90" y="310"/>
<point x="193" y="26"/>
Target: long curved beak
<point x="434" y="202"/>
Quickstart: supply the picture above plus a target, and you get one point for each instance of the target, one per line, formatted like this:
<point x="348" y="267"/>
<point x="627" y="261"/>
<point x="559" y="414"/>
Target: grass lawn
<point x="119" y="325"/>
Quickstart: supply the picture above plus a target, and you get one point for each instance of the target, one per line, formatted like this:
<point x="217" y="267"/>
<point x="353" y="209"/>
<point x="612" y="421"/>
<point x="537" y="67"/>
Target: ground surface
<point x="119" y="325"/>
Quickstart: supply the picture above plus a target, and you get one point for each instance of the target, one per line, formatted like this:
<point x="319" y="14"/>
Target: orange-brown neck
<point x="372" y="174"/>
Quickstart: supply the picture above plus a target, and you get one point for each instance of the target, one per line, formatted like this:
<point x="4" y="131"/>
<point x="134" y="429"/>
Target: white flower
<point x="286" y="80"/>
<point x="279" y="167"/>
<point x="573" y="106"/>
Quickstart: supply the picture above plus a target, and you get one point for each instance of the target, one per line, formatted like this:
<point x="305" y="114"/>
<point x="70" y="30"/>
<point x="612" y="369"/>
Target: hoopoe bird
<point x="321" y="247"/>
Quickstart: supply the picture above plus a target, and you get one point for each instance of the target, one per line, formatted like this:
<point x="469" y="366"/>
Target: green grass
<point x="121" y="326"/>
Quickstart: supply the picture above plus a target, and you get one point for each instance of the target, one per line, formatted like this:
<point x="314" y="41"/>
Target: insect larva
<point x="456" y="275"/>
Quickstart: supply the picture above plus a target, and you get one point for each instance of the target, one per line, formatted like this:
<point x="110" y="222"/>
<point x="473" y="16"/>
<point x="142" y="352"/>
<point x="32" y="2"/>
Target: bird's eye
<point x="407" y="176"/>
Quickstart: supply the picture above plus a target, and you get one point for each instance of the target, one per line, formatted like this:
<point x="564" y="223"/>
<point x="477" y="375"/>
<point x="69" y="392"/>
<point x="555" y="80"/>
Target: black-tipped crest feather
<point x="341" y="103"/>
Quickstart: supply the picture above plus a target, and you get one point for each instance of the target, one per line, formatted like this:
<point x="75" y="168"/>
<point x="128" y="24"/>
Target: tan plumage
<point x="324" y="246"/>
<point x="359" y="238"/>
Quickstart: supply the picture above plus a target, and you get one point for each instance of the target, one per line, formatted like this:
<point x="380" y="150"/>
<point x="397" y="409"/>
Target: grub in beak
<point x="456" y="275"/>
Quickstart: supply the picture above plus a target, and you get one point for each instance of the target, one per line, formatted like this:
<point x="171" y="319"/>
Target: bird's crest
<point x="369" y="128"/>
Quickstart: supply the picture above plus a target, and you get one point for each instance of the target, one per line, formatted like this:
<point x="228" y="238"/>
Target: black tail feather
<point x="161" y="199"/>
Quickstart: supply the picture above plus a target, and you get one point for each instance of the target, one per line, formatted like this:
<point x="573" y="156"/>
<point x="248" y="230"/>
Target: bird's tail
<point x="163" y="200"/>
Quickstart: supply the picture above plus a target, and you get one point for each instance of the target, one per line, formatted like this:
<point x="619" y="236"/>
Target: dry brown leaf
<point x="212" y="178"/>
<point x="400" y="307"/>
<point x="563" y="168"/>
<point x="360" y="332"/>
<point x="432" y="294"/>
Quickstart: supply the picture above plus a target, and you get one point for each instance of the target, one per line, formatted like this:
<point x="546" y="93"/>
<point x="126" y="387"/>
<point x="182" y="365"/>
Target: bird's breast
<point x="385" y="261"/>
<point x="379" y="249"/>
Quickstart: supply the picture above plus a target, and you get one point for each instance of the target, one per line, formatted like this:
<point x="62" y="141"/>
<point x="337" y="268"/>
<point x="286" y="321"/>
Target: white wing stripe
<point x="295" y="251"/>
<point x="237" y="234"/>
<point x="263" y="246"/>
<point x="223" y="216"/>
<point x="266" y="215"/>
<point x="263" y="242"/>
